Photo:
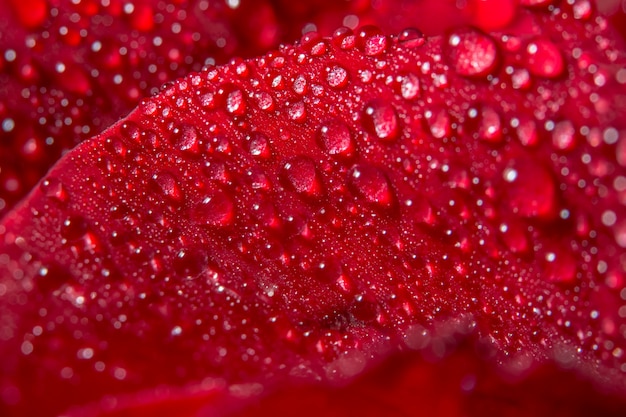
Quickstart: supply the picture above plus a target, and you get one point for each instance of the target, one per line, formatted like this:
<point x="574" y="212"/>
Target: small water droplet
<point x="334" y="137"/>
<point x="381" y="120"/>
<point x="371" y="184"/>
<point x="559" y="266"/>
<point x="544" y="59"/>
<point x="411" y="38"/>
<point x="472" y="53"/>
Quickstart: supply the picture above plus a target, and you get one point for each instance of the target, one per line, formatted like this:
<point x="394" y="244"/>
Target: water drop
<point x="337" y="76"/>
<point x="564" y="135"/>
<point x="302" y="175"/>
<point x="167" y="184"/>
<point x="185" y="138"/>
<point x="371" y="40"/>
<point x="381" y="120"/>
<point x="438" y="121"/>
<point x="215" y="209"/>
<point x="531" y="189"/>
<point x="410" y="86"/>
<point x="190" y="263"/>
<point x="297" y="112"/>
<point x="344" y="38"/>
<point x="74" y="228"/>
<point x="472" y="53"/>
<point x="411" y="38"/>
<point x="265" y="101"/>
<point x="335" y="138"/>
<point x="236" y="103"/>
<point x="54" y="189"/>
<point x="544" y="59"/>
<point x="371" y="184"/>
<point x="258" y="145"/>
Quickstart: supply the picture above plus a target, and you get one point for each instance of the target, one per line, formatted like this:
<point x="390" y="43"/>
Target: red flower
<point x="373" y="222"/>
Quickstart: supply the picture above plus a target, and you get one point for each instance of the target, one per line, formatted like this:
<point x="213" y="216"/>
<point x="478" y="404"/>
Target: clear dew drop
<point x="236" y="103"/>
<point x="411" y="38"/>
<point x="381" y="120"/>
<point x="216" y="209"/>
<point x="371" y="184"/>
<point x="531" y="189"/>
<point x="302" y="176"/>
<point x="544" y="59"/>
<point x="337" y="76"/>
<point x="489" y="124"/>
<point x="190" y="263"/>
<point x="335" y="138"/>
<point x="258" y="145"/>
<point x="410" y="86"/>
<point x="166" y="183"/>
<point x="559" y="265"/>
<point x="344" y="38"/>
<point x="472" y="53"/>
<point x="564" y="136"/>
<point x="438" y="121"/>
<point x="185" y="139"/>
<point x="297" y="112"/>
<point x="265" y="101"/>
<point x="74" y="228"/>
<point x="371" y="40"/>
<point x="54" y="189"/>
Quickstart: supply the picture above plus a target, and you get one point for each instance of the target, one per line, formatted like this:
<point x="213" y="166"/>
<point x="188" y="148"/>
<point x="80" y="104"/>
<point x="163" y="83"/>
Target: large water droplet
<point x="337" y="76"/>
<point x="54" y="189"/>
<point x="167" y="184"/>
<point x="411" y="38"/>
<point x="544" y="59"/>
<point x="216" y="209"/>
<point x="371" y="184"/>
<point x="344" y="38"/>
<point x="74" y="228"/>
<point x="297" y="112"/>
<point x="472" y="53"/>
<point x="381" y="120"/>
<point x="564" y="135"/>
<point x="531" y="189"/>
<point x="302" y="175"/>
<point x="410" y="86"/>
<point x="236" y="103"/>
<point x="190" y="263"/>
<point x="335" y="138"/>
<point x="371" y="40"/>
<point x="185" y="138"/>
<point x="258" y="145"/>
<point x="438" y="121"/>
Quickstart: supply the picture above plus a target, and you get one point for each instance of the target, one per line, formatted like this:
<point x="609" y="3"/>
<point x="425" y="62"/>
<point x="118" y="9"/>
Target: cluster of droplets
<point x="385" y="211"/>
